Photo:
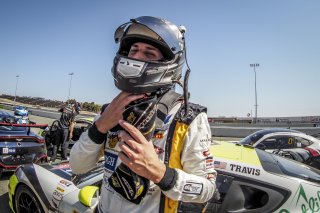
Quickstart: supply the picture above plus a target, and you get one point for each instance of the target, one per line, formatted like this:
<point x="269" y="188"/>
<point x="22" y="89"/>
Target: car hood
<point x="235" y="152"/>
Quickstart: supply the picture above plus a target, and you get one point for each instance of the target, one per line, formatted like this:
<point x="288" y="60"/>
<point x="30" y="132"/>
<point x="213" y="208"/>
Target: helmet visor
<point x="154" y="28"/>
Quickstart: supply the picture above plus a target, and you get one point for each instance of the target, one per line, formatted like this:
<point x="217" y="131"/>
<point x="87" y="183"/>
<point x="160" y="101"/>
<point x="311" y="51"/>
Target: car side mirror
<point x="89" y="196"/>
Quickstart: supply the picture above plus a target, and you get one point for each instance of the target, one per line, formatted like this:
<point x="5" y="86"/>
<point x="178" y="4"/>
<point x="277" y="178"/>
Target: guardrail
<point x="218" y="130"/>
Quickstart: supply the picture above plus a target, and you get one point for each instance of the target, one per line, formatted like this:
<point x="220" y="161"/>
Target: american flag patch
<point x="209" y="163"/>
<point x="220" y="165"/>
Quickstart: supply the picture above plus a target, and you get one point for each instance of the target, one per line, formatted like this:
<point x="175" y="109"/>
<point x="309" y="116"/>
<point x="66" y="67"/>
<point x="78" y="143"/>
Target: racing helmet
<point x="139" y="76"/>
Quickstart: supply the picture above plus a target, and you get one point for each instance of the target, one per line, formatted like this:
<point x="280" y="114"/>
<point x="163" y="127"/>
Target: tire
<point x="26" y="201"/>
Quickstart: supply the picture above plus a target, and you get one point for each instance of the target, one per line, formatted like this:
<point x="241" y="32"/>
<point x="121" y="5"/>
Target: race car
<point x="21" y="111"/>
<point x="18" y="144"/>
<point x="253" y="180"/>
<point x="81" y="125"/>
<point x="287" y="143"/>
<point x="53" y="188"/>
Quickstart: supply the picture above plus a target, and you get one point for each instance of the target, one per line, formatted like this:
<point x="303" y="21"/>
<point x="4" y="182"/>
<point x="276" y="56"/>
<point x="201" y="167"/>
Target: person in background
<point x="65" y="130"/>
<point x="76" y="107"/>
<point x="156" y="141"/>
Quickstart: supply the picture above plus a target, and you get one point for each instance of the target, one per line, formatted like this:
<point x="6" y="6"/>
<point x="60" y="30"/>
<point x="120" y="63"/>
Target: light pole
<point x="255" y="89"/>
<point x="15" y="92"/>
<point x="71" y="74"/>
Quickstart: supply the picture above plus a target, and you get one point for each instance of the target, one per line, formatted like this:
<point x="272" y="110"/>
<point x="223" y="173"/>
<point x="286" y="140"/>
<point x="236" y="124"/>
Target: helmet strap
<point x="186" y="94"/>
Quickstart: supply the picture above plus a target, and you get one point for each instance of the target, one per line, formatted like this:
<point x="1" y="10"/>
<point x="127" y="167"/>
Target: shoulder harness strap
<point x="166" y="103"/>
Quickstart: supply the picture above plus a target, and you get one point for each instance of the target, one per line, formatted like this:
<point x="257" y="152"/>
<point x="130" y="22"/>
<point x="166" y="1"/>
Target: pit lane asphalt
<point x="4" y="180"/>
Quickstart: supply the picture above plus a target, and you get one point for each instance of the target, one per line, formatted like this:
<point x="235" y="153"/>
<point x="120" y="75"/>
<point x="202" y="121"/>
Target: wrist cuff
<point x="168" y="180"/>
<point x="95" y="135"/>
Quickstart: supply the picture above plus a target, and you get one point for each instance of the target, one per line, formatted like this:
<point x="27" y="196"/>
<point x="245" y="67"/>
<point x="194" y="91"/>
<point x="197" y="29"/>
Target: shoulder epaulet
<point x="166" y="103"/>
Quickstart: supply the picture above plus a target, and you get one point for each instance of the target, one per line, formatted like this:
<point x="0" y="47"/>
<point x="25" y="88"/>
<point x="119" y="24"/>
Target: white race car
<point x="53" y="188"/>
<point x="253" y="180"/>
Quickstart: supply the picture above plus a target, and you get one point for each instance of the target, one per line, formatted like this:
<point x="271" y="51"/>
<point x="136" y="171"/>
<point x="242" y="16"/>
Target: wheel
<point x="26" y="201"/>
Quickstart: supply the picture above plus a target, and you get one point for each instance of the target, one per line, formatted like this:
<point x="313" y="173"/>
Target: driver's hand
<point x="139" y="154"/>
<point x="113" y="113"/>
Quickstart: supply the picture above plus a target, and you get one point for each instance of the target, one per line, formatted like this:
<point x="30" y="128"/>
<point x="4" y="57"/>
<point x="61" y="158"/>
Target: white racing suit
<point x="189" y="142"/>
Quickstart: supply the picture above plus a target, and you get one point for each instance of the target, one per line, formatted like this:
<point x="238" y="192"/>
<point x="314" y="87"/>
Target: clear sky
<point x="43" y="41"/>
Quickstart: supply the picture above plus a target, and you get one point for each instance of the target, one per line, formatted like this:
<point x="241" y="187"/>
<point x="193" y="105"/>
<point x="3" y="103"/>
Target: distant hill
<point x="47" y="103"/>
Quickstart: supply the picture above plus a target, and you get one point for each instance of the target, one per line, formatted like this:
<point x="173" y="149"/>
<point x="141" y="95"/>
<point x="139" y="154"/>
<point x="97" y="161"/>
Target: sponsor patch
<point x="131" y="118"/>
<point x="158" y="135"/>
<point x="7" y="150"/>
<point x="113" y="140"/>
<point x="60" y="189"/>
<point x="56" y="198"/>
<point x="115" y="182"/>
<point x="206" y="153"/>
<point x="206" y="140"/>
<point x="110" y="161"/>
<point x="65" y="183"/>
<point x="220" y="165"/>
<point x="192" y="188"/>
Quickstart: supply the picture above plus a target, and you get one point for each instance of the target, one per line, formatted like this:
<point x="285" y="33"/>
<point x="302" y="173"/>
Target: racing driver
<point x="156" y="141"/>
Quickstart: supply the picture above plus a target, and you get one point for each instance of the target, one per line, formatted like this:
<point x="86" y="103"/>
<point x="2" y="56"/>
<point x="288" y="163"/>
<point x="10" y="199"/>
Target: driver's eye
<point x="132" y="51"/>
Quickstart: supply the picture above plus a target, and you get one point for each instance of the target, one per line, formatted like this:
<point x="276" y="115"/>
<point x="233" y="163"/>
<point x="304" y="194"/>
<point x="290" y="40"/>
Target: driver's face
<point x="146" y="52"/>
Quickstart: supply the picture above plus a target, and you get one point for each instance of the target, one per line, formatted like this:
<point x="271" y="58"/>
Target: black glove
<point x="142" y="115"/>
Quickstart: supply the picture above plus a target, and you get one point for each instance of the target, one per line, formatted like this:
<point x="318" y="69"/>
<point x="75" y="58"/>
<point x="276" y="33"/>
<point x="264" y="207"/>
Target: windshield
<point x="251" y="139"/>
